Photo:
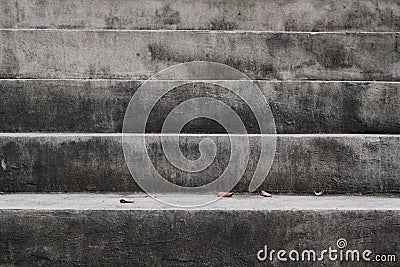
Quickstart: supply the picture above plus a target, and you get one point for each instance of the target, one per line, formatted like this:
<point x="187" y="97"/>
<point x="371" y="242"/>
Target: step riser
<point x="341" y="164"/>
<point x="277" y="15"/>
<point x="188" y="238"/>
<point x="298" y="107"/>
<point x="139" y="55"/>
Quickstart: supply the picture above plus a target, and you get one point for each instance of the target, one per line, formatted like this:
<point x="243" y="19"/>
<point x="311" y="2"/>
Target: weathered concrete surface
<point x="303" y="163"/>
<point x="100" y="105"/>
<point x="242" y="202"/>
<point x="276" y="15"/>
<point x="140" y="54"/>
<point x="176" y="237"/>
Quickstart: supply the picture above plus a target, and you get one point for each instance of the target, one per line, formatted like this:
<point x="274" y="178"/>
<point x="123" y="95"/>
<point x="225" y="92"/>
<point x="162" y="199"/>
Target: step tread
<point x="237" y="202"/>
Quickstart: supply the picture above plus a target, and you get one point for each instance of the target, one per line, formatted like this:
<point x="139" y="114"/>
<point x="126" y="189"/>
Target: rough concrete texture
<point x="140" y="54"/>
<point x="129" y="40"/>
<point x="298" y="107"/>
<point x="243" y="202"/>
<point x="276" y="15"/>
<point x="70" y="235"/>
<point x="303" y="163"/>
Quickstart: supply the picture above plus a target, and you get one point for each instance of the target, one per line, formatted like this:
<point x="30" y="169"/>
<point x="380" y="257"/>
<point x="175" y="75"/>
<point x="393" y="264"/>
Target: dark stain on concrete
<point x="20" y="12"/>
<point x="351" y="108"/>
<point x="358" y="16"/>
<point x="182" y="178"/>
<point x="333" y="148"/>
<point x="222" y="24"/>
<point x="167" y="16"/>
<point x="8" y="19"/>
<point x="335" y="57"/>
<point x="67" y="26"/>
<point x="160" y="52"/>
<point x="291" y="25"/>
<point x="278" y="40"/>
<point x="259" y="70"/>
<point x="397" y="45"/>
<point x="41" y="8"/>
<point x="183" y="93"/>
<point x="9" y="64"/>
<point x="113" y="22"/>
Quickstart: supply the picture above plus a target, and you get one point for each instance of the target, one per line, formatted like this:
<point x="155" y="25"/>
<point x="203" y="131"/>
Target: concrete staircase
<point x="329" y="69"/>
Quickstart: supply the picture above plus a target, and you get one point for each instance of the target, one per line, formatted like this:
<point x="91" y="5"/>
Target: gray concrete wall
<point x="298" y="107"/>
<point x="140" y="54"/>
<point x="187" y="238"/>
<point x="272" y="15"/>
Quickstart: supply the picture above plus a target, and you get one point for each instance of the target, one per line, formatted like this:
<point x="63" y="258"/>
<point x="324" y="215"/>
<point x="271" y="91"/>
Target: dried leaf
<point x="225" y="194"/>
<point x="126" y="201"/>
<point x="265" y="194"/>
<point x="320" y="193"/>
<point x="3" y="165"/>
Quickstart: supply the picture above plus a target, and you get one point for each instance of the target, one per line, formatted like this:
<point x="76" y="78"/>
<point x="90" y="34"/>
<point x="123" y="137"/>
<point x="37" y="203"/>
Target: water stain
<point x="160" y="52"/>
<point x="9" y="64"/>
<point x="113" y="22"/>
<point x="167" y="16"/>
<point x="222" y="24"/>
<point x="336" y="57"/>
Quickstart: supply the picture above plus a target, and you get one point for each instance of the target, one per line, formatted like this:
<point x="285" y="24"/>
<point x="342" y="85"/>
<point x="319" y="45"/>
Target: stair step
<point x="140" y="54"/>
<point x="245" y="201"/>
<point x="276" y="15"/>
<point x="335" y="163"/>
<point x="95" y="229"/>
<point x="297" y="106"/>
<point x="68" y="70"/>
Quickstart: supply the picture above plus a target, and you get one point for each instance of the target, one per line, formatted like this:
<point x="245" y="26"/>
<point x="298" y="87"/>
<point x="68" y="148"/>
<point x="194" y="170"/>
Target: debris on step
<point x="225" y="194"/>
<point x="265" y="194"/>
<point x="3" y="165"/>
<point x="318" y="193"/>
<point x="126" y="201"/>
